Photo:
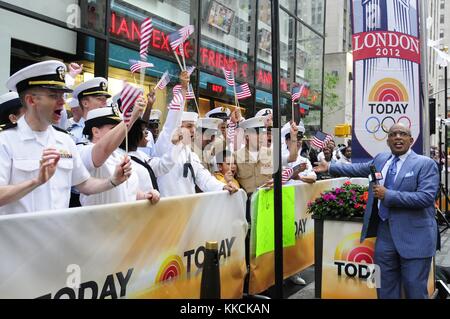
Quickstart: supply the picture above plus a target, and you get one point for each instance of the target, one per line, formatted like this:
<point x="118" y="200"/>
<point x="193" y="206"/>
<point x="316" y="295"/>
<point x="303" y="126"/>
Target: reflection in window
<point x="93" y="13"/>
<point x="309" y="64"/>
<point x="226" y="27"/>
<point x="312" y="13"/>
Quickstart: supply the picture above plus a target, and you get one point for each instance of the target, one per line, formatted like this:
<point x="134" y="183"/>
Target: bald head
<point x="400" y="126"/>
<point x="399" y="139"/>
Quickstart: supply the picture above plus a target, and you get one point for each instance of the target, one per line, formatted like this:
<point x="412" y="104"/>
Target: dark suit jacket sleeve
<point x="350" y="170"/>
<point x="423" y="197"/>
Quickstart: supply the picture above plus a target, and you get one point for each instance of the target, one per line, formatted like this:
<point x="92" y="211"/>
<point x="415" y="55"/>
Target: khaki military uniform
<point x="252" y="173"/>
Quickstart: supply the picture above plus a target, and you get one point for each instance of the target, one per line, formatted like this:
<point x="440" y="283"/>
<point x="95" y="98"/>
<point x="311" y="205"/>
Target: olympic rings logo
<point x="380" y="129"/>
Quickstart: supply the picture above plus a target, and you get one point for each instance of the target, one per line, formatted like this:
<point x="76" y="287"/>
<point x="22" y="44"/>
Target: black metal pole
<point x="445" y="139"/>
<point x="278" y="218"/>
<point x="440" y="163"/>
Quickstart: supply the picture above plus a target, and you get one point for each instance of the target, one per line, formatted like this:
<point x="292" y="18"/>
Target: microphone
<point x="373" y="174"/>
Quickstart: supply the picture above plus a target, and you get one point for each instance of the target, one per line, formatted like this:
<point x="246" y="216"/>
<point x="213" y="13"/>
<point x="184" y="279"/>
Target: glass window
<point x="312" y="122"/>
<point x="214" y="92"/>
<point x="312" y="13"/>
<point x="93" y="14"/>
<point x="289" y="5"/>
<point x="309" y="65"/>
<point x="226" y="38"/>
<point x="264" y="63"/>
<point x="167" y="17"/>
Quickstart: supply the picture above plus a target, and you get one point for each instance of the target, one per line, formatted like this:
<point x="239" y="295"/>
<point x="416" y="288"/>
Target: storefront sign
<point x="126" y="28"/>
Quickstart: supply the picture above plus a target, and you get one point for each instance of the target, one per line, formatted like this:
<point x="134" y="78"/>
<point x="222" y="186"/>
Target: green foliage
<point x="331" y="99"/>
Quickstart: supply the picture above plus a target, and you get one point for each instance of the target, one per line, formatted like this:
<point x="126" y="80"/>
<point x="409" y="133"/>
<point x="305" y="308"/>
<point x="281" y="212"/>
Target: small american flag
<point x="286" y="175"/>
<point x="177" y="99"/>
<point x="190" y="69"/>
<point x="321" y="139"/>
<point x="177" y="38"/>
<point x="295" y="93"/>
<point x="137" y="65"/>
<point x="231" y="130"/>
<point x="128" y="96"/>
<point x="146" y="33"/>
<point x="304" y="90"/>
<point x="165" y="79"/>
<point x="243" y="91"/>
<point x="189" y="94"/>
<point x="229" y="77"/>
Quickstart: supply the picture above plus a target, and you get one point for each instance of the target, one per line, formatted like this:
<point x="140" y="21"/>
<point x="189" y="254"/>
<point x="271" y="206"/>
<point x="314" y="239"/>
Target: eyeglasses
<point x="401" y="134"/>
<point x="54" y="96"/>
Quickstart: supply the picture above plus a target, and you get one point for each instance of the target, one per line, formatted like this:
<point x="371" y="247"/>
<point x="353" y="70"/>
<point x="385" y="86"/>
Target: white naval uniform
<point x="309" y="171"/>
<point x="173" y="183"/>
<point x="159" y="165"/>
<point x="125" y="192"/>
<point x="20" y="153"/>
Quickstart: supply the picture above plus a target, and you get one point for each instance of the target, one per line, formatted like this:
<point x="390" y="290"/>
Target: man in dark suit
<point x="400" y="213"/>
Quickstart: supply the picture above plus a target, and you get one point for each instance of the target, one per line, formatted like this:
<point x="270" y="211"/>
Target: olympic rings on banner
<point x="373" y="125"/>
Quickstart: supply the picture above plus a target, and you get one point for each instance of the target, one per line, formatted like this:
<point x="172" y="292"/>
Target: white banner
<point x="124" y="251"/>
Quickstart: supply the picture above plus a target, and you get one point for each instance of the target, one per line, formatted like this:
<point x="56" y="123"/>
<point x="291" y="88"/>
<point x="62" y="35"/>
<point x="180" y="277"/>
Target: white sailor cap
<point x="254" y="123"/>
<point x="264" y="112"/>
<point x="286" y="129"/>
<point x="48" y="75"/>
<point x="9" y="104"/>
<point x="73" y="103"/>
<point x="209" y="123"/>
<point x="95" y="86"/>
<point x="189" y="117"/>
<point x="9" y="99"/>
<point x="155" y="116"/>
<point x="219" y="112"/>
<point x="101" y="116"/>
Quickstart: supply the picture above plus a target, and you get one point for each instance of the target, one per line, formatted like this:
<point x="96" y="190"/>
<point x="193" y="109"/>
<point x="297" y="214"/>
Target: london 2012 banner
<point x="386" y="66"/>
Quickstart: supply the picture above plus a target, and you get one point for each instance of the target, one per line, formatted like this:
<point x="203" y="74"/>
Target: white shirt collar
<point x="401" y="157"/>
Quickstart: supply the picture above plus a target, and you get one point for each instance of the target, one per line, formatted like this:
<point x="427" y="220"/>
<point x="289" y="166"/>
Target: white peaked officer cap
<point x="101" y="116"/>
<point x="93" y="87"/>
<point x="48" y="75"/>
<point x="73" y="103"/>
<point x="189" y="117"/>
<point x="263" y="112"/>
<point x="155" y="116"/>
<point x="286" y="129"/>
<point x="209" y="123"/>
<point x="219" y="112"/>
<point x="9" y="98"/>
<point x="256" y="122"/>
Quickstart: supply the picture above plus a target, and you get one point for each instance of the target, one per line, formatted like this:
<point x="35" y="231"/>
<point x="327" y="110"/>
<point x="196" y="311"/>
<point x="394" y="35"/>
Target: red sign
<point x="129" y="29"/>
<point x="386" y="44"/>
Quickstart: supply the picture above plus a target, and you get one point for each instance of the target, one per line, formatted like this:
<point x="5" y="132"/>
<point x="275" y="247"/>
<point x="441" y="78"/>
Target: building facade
<point x="338" y="66"/>
<point x="104" y="35"/>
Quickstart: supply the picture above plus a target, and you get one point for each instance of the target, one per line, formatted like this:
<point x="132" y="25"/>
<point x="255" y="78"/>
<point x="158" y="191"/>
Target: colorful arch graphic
<point x="350" y="249"/>
<point x="388" y="90"/>
<point x="171" y="267"/>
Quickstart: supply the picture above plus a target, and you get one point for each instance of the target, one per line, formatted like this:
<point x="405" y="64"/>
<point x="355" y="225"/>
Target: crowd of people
<point x="55" y="161"/>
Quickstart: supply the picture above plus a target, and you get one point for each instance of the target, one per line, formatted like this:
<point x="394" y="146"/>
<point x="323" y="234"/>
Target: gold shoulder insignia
<point x="7" y="126"/>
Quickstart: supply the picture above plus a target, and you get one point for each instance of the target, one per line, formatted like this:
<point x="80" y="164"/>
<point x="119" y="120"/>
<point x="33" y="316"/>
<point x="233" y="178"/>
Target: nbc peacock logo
<point x="350" y="249"/>
<point x="353" y="258"/>
<point x="388" y="90"/>
<point x="172" y="267"/>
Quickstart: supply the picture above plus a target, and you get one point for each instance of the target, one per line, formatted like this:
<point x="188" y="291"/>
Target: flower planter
<point x="341" y="262"/>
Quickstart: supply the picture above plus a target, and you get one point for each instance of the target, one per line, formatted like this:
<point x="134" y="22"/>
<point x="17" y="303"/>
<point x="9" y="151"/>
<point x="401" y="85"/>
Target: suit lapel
<point x="406" y="167"/>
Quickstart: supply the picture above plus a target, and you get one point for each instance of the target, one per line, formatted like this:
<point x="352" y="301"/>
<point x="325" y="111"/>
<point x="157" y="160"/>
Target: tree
<point x="331" y="100"/>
